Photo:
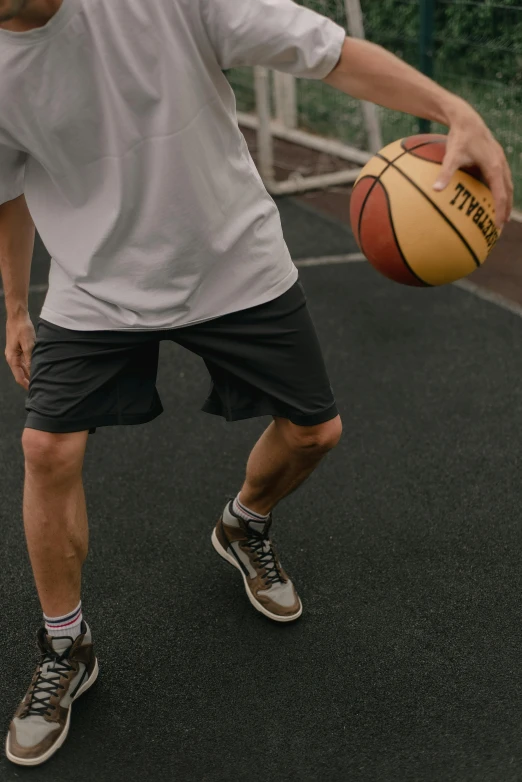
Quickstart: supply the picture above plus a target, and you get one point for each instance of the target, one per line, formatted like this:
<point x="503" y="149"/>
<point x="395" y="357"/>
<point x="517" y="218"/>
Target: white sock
<point x="67" y="625"/>
<point x="247" y="514"/>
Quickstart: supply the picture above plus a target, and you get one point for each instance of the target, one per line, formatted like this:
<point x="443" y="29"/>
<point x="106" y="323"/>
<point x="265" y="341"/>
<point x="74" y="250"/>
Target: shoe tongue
<point x="258" y="526"/>
<point x="60" y="644"/>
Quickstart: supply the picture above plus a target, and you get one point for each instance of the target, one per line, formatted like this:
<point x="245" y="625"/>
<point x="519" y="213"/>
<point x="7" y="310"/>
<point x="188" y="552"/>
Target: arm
<point x="371" y="73"/>
<point x="17" y="234"/>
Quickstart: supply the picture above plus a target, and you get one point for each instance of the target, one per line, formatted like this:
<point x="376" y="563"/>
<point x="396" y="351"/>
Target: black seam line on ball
<point x="434" y="205"/>
<point x="427" y="144"/>
<point x="375" y="180"/>
<point x="414" y="274"/>
<point x="435" y="163"/>
<point x="418" y="146"/>
<point x="368" y="176"/>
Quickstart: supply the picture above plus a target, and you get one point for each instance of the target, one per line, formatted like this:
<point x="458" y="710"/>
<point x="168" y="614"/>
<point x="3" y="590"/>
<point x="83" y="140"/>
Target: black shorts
<point x="262" y="361"/>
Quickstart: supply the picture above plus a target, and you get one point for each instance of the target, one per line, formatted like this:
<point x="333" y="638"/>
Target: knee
<point x="314" y="439"/>
<point x="53" y="454"/>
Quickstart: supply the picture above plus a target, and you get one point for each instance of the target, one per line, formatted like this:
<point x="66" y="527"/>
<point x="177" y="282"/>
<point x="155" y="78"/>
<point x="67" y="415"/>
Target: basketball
<point x="412" y="233"/>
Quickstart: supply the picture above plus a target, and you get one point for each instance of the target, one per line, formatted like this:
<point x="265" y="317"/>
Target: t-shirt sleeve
<point x="278" y="34"/>
<point x="12" y="169"/>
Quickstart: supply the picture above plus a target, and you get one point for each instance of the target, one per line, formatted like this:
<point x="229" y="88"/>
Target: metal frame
<point x="284" y="125"/>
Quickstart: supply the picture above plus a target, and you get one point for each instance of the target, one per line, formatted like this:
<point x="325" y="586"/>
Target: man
<point x="119" y="141"/>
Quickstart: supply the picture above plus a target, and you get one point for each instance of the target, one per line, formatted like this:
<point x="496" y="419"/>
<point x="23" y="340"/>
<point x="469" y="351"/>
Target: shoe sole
<point x="56" y="746"/>
<point x="229" y="558"/>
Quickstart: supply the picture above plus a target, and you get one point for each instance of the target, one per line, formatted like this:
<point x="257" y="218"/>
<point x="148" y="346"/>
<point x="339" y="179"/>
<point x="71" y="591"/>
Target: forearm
<point x="17" y="235"/>
<point x="369" y="72"/>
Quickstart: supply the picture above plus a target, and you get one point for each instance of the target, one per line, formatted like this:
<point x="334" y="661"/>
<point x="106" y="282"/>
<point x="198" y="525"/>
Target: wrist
<point x="456" y="111"/>
<point x="17" y="311"/>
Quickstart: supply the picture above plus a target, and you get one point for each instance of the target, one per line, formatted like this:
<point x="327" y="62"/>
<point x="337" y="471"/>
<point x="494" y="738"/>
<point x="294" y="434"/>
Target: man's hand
<point x="369" y="72"/>
<point x="20" y="339"/>
<point x="471" y="143"/>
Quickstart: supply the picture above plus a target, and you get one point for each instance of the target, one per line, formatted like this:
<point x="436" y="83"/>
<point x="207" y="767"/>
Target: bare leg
<point x="55" y="516"/>
<point x="284" y="456"/>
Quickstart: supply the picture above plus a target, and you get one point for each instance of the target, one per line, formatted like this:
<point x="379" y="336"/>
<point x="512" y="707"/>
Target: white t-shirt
<point x="120" y="128"/>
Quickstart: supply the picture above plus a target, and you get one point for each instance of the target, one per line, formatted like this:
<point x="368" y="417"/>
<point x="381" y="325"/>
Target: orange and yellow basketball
<point x="412" y="233"/>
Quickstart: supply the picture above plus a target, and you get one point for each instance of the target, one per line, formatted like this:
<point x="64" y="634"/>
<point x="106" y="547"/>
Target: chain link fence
<point x="472" y="47"/>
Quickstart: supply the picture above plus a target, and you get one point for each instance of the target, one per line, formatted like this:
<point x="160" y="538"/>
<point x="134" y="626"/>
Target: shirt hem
<point x="63" y="321"/>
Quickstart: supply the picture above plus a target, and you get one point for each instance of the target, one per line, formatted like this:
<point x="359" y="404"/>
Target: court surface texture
<point x="405" y="547"/>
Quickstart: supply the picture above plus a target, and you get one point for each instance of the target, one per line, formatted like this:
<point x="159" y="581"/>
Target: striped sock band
<point x="249" y="515"/>
<point x="67" y="625"/>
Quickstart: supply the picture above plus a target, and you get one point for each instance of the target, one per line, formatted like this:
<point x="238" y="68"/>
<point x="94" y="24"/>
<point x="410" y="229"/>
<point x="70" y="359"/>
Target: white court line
<point x="325" y="260"/>
<point x="491" y="296"/>
<point x="465" y="285"/>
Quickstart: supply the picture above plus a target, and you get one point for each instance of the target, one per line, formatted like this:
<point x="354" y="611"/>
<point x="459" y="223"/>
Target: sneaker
<point x="41" y="722"/>
<point x="246" y="545"/>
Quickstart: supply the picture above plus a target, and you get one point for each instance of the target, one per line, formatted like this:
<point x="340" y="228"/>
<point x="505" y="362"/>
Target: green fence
<point x="472" y="47"/>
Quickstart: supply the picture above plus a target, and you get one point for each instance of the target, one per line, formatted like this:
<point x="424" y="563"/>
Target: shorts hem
<point x="299" y="419"/>
<point x="45" y="424"/>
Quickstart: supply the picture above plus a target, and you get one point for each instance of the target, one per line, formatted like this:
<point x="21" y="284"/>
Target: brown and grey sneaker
<point x="41" y="722"/>
<point x="246" y="545"/>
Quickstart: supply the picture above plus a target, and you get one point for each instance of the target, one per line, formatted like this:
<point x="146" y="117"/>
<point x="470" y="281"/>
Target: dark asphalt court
<point x="405" y="547"/>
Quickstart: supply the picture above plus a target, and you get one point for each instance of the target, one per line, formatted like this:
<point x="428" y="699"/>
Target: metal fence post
<point x="427" y="45"/>
<point x="265" y="151"/>
<point x="354" y="17"/>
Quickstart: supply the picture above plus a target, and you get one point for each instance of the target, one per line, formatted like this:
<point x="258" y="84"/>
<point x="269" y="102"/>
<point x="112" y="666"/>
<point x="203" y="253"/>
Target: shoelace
<point x="265" y="556"/>
<point x="261" y="546"/>
<point x="48" y="682"/>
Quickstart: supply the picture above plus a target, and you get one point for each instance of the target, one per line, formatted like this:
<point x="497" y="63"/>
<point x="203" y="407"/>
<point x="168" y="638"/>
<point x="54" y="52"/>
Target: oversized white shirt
<point x="120" y="128"/>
